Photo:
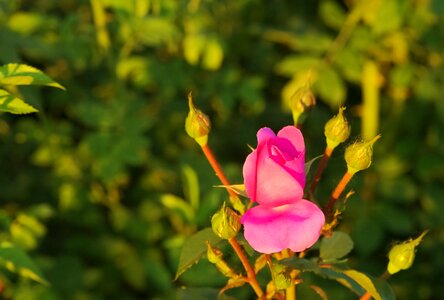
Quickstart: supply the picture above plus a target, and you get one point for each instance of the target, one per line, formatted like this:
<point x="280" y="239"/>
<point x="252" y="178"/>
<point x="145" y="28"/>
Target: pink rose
<point x="272" y="229"/>
<point x="274" y="171"/>
<point x="274" y="177"/>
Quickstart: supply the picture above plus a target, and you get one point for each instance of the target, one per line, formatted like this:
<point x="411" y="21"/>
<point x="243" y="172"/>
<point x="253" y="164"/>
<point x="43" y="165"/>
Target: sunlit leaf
<point x="19" y="74"/>
<point x="13" y="104"/>
<point x="237" y="188"/>
<point x="332" y="14"/>
<point x="194" y="248"/>
<point x="193" y="46"/>
<point x="16" y="260"/>
<point x="191" y="186"/>
<point x="330" y="87"/>
<point x="369" y="285"/>
<point x="336" y="246"/>
<point x="213" y="55"/>
<point x="173" y="202"/>
<point x="296" y="64"/>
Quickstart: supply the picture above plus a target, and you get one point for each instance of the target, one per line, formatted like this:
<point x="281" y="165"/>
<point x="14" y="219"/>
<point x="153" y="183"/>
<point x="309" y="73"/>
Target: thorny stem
<point x="251" y="276"/>
<point x="337" y="192"/>
<point x="320" y="169"/>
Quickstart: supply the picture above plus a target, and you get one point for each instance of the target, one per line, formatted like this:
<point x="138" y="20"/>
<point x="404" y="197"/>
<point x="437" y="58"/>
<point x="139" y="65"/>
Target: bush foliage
<point x="102" y="186"/>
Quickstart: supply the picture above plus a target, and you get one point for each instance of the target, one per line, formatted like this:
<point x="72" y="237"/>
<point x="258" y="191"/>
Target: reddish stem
<point x="337" y="192"/>
<point x="233" y="242"/>
<point x="250" y="272"/>
<point x="216" y="167"/>
<point x="320" y="169"/>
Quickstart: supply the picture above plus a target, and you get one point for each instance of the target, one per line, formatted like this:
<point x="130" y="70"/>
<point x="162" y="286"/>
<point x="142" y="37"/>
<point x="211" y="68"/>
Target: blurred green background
<point x="103" y="186"/>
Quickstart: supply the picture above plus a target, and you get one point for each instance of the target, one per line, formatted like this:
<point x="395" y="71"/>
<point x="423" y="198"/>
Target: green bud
<point x="214" y="255"/>
<point x="197" y="124"/>
<point x="301" y="100"/>
<point x="337" y="130"/>
<point x="358" y="156"/>
<point x="401" y="256"/>
<point x="226" y="223"/>
<point x="281" y="276"/>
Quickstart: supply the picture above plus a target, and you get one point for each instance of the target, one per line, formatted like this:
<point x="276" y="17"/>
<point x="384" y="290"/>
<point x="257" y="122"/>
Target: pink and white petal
<point x="273" y="229"/>
<point x="250" y="176"/>
<point x="274" y="185"/>
<point x="294" y="135"/>
<point x="264" y="134"/>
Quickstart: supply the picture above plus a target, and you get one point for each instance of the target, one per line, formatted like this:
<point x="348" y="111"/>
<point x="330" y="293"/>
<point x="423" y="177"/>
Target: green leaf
<point x="332" y="14"/>
<point x="343" y="279"/>
<point x="194" y="247"/>
<point x="14" y="105"/>
<point x="201" y="294"/>
<point x="18" y="74"/>
<point x="175" y="203"/>
<point x="331" y="87"/>
<point x="16" y="260"/>
<point x="336" y="246"/>
<point x="360" y="283"/>
<point x="301" y="264"/>
<point x="296" y="63"/>
<point x="191" y="186"/>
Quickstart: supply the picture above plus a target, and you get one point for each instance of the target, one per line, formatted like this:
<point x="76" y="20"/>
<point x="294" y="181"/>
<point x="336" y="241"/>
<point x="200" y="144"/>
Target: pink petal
<point x="294" y="135"/>
<point x="272" y="229"/>
<point x="249" y="173"/>
<point x="274" y="184"/>
<point x="264" y="134"/>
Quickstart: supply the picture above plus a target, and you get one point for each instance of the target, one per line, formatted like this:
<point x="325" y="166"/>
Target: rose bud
<point x="197" y="124"/>
<point x="401" y="256"/>
<point x="337" y="130"/>
<point x="359" y="155"/>
<point x="226" y="223"/>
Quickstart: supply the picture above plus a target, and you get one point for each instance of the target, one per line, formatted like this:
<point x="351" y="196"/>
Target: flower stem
<point x="251" y="276"/>
<point x="250" y="272"/>
<point x="216" y="167"/>
<point x="321" y="167"/>
<point x="337" y="192"/>
<point x="290" y="293"/>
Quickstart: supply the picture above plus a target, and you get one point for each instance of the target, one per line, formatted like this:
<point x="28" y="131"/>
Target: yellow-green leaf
<point x="16" y="260"/>
<point x="364" y="281"/>
<point x="14" y="105"/>
<point x="19" y="74"/>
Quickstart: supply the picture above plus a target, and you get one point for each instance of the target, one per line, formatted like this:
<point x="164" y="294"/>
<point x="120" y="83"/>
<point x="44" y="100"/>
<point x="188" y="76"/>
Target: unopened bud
<point x="358" y="156"/>
<point x="197" y="124"/>
<point x="401" y="256"/>
<point x="281" y="277"/>
<point x="302" y="100"/>
<point x="214" y="255"/>
<point x="337" y="130"/>
<point x="226" y="223"/>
